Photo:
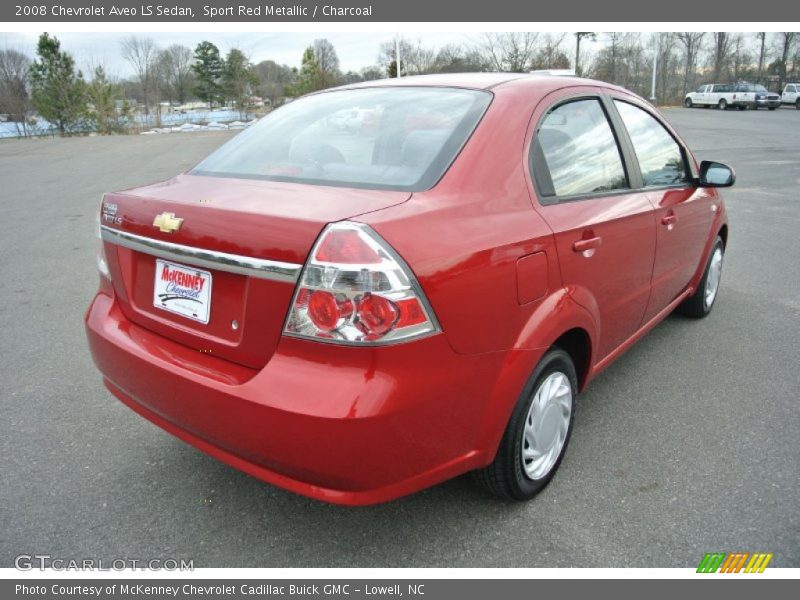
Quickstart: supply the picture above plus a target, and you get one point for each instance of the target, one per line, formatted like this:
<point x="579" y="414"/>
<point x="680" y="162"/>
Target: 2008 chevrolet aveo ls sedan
<point x="379" y="287"/>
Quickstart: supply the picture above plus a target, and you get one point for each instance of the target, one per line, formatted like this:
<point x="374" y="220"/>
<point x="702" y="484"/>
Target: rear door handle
<point x="669" y="220"/>
<point x="583" y="245"/>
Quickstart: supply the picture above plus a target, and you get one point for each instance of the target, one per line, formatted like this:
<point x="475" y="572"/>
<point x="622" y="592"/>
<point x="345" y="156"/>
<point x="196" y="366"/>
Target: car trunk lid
<point x="235" y="251"/>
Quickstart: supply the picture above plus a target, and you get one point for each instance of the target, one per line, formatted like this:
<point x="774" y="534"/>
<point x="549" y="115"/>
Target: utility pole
<point x="397" y="55"/>
<point x="655" y="67"/>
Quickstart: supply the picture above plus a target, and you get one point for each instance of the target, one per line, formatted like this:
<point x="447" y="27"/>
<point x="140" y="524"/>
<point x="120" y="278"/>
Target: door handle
<point x="669" y="220"/>
<point x="584" y="245"/>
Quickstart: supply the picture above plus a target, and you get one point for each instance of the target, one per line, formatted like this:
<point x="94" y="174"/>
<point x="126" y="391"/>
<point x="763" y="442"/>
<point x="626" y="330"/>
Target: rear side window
<point x="660" y="157"/>
<point x="376" y="138"/>
<point x="579" y="150"/>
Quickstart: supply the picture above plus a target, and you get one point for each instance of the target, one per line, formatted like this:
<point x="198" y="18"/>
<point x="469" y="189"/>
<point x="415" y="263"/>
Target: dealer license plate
<point x="182" y="290"/>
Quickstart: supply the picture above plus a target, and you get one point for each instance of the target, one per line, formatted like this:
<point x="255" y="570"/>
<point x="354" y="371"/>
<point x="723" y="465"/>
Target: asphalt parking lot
<point x="690" y="443"/>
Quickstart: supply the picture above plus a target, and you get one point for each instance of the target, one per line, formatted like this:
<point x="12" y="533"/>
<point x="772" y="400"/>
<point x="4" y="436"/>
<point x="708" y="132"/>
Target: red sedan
<point x="382" y="286"/>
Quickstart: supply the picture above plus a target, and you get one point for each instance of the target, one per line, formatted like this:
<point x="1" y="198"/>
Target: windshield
<point x="377" y="138"/>
<point x="761" y="88"/>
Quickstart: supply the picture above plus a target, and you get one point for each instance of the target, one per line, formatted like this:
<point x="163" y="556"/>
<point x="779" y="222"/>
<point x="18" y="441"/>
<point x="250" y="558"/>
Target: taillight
<point x="355" y="289"/>
<point x="100" y="252"/>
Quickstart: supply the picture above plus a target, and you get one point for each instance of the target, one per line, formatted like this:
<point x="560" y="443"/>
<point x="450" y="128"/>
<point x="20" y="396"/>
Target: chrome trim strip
<point x="220" y="261"/>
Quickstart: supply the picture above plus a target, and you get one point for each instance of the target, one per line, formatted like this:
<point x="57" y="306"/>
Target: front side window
<point x="375" y="138"/>
<point x="660" y="157"/>
<point x="580" y="150"/>
<point x="700" y="90"/>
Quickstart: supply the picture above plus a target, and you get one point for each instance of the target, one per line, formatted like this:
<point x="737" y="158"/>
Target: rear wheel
<point x="687" y="103"/>
<point x="773" y="107"/>
<point x="723" y="104"/>
<point x="702" y="301"/>
<point x="797" y="104"/>
<point x="537" y="433"/>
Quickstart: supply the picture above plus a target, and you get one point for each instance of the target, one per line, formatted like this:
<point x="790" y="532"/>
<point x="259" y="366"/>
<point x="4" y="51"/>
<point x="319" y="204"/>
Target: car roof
<point x="476" y="81"/>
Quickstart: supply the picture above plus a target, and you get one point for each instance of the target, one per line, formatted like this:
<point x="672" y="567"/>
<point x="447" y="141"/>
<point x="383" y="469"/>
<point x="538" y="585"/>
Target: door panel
<point x="682" y="212"/>
<point x="614" y="275"/>
<point x="683" y="222"/>
<point x="604" y="232"/>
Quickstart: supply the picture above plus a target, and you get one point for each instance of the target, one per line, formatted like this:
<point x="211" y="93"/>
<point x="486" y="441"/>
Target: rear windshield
<point x="377" y="138"/>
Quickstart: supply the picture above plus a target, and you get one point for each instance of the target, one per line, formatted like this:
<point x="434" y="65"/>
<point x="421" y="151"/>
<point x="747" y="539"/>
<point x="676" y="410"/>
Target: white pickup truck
<point x="730" y="95"/>
<point x="710" y="94"/>
<point x="791" y="95"/>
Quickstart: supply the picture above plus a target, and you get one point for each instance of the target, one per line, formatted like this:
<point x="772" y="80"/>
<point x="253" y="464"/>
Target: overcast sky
<point x="355" y="50"/>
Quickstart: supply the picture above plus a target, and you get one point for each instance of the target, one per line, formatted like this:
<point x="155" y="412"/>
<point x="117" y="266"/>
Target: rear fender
<point x="557" y="314"/>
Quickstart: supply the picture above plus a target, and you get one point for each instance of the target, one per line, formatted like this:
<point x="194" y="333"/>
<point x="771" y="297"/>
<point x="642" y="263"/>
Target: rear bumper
<point x="339" y="424"/>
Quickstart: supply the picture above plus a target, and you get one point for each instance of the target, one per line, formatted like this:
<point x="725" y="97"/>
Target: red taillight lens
<point x="377" y="314"/>
<point x="323" y="310"/>
<point x="326" y="310"/>
<point x="355" y="289"/>
<point x="346" y="247"/>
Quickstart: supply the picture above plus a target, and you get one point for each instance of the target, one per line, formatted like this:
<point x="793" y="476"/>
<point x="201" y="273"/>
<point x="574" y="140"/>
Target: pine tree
<point x="239" y="79"/>
<point x="58" y="91"/>
<point x="209" y="68"/>
<point x="103" y="96"/>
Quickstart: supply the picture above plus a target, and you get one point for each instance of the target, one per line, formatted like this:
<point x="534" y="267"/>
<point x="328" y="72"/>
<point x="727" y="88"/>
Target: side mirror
<point x="714" y="174"/>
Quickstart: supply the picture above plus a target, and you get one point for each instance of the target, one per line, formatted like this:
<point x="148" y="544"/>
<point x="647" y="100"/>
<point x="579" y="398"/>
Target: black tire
<point x="505" y="476"/>
<point x="797" y="104"/>
<point x="695" y="305"/>
<point x="687" y="103"/>
<point x="722" y="104"/>
<point x="772" y="107"/>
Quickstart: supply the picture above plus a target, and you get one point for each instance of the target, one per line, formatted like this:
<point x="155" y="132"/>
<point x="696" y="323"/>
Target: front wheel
<point x="797" y="104"/>
<point x="687" y="103"/>
<point x="537" y="433"/>
<point x="773" y="107"/>
<point x="700" y="303"/>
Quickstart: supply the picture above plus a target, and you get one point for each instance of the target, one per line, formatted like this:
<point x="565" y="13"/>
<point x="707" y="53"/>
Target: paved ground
<point x="689" y="443"/>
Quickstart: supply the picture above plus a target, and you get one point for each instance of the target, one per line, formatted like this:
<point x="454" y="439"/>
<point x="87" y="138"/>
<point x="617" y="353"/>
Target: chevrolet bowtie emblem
<point x="167" y="222"/>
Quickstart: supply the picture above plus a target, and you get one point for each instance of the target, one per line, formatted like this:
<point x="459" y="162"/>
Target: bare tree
<point x="668" y="63"/>
<point x="14" y="98"/>
<point x="415" y="59"/>
<point x="272" y="78"/>
<point x="327" y="61"/>
<point x="579" y="35"/>
<point x="786" y="41"/>
<point x="762" y="52"/>
<point x="510" y="51"/>
<point x="175" y="65"/>
<point x="721" y="54"/>
<point x="692" y="44"/>
<point x="550" y="54"/>
<point x="142" y="54"/>
<point x="740" y="58"/>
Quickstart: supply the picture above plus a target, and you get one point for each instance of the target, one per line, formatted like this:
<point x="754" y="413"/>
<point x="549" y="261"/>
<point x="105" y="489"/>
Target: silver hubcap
<point x="714" y="275"/>
<point x="546" y="425"/>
